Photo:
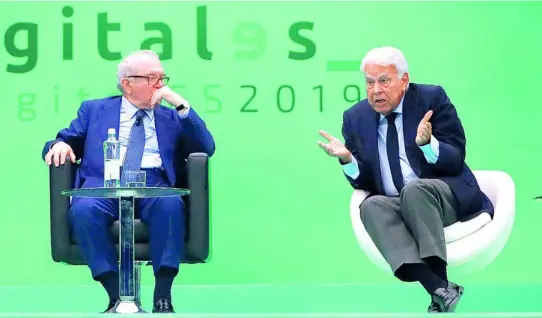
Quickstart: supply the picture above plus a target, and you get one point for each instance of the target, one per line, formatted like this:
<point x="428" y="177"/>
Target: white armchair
<point x="471" y="245"/>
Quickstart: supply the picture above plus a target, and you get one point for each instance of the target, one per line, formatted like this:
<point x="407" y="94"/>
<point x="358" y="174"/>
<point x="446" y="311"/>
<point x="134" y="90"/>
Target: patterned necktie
<point x="392" y="146"/>
<point x="136" y="145"/>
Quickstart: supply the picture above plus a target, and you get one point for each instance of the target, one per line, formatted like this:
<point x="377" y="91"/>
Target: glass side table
<point x="129" y="295"/>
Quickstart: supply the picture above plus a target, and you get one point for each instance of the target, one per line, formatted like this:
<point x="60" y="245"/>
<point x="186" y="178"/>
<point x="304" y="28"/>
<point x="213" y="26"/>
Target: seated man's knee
<point x="170" y="205"/>
<point x="165" y="207"/>
<point x="415" y="187"/>
<point x="370" y="207"/>
<point x="82" y="209"/>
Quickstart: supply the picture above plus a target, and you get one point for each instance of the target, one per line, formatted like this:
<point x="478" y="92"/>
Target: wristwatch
<point x="180" y="107"/>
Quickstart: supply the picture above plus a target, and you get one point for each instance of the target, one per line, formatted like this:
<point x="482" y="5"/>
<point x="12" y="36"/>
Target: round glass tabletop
<point x="143" y="192"/>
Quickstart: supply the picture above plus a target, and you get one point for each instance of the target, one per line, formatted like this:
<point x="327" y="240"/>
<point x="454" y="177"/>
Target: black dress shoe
<point x="448" y="298"/>
<point x="459" y="289"/>
<point x="110" y="306"/>
<point x="434" y="307"/>
<point x="163" y="305"/>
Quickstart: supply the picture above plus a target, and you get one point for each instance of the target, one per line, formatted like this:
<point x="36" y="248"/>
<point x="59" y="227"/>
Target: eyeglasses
<point x="153" y="80"/>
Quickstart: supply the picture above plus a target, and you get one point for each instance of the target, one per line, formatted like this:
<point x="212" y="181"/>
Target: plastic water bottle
<point x="111" y="160"/>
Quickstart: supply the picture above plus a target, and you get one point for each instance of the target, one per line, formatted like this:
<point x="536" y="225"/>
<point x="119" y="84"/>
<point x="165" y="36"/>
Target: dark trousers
<point x="91" y="218"/>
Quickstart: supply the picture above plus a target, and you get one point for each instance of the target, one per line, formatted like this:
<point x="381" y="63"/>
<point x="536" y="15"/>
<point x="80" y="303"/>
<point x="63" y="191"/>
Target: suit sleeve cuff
<point x="431" y="150"/>
<point x="183" y="113"/>
<point x="53" y="143"/>
<point x="351" y="169"/>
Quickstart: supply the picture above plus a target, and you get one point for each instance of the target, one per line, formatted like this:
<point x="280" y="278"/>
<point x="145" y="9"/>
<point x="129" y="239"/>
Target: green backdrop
<point x="266" y="77"/>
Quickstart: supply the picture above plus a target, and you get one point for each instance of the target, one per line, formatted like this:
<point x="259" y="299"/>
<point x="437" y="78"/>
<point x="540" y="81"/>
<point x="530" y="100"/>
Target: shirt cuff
<point x="431" y="150"/>
<point x="351" y="169"/>
<point x="183" y="113"/>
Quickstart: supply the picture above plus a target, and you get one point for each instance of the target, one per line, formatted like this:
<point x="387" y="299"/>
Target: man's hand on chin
<point x="167" y="94"/>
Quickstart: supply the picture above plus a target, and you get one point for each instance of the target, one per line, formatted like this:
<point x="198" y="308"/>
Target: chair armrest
<point x="60" y="178"/>
<point x="357" y="198"/>
<point x="198" y="184"/>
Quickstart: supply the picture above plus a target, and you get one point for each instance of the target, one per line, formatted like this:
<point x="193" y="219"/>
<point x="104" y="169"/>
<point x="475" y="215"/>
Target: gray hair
<point x="386" y="56"/>
<point x="128" y="65"/>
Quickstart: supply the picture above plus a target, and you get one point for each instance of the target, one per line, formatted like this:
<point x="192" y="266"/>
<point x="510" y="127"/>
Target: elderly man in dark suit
<point x="153" y="138"/>
<point x="405" y="145"/>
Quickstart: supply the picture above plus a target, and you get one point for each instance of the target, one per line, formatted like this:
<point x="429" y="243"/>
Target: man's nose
<point x="160" y="83"/>
<point x="376" y="88"/>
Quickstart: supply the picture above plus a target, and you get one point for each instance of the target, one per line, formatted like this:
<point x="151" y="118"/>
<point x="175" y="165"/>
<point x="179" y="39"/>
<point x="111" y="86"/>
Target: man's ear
<point x="126" y="87"/>
<point x="404" y="82"/>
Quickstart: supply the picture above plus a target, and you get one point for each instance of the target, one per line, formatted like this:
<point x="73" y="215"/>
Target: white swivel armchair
<point x="471" y="245"/>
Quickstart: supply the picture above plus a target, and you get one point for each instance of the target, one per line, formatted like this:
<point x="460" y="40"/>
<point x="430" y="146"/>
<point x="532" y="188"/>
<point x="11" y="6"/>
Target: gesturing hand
<point x="423" y="137"/>
<point x="335" y="148"/>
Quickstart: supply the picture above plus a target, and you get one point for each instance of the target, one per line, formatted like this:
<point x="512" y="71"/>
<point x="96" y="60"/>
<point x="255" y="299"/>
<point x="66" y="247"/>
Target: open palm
<point x="335" y="147"/>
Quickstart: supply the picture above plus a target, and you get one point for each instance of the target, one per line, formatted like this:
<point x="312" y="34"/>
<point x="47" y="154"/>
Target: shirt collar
<point x="130" y="109"/>
<point x="398" y="110"/>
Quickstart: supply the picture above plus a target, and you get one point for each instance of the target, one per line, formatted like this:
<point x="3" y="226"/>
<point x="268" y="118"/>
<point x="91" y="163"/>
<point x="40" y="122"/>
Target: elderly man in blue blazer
<point x="153" y="138"/>
<point x="405" y="145"/>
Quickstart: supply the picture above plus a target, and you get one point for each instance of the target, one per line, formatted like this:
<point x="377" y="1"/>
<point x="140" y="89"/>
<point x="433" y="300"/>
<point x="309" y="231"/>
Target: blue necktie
<point x="136" y="145"/>
<point x="392" y="146"/>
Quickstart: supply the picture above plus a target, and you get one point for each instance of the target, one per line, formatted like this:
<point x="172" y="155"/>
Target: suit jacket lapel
<point x="109" y="116"/>
<point x="165" y="134"/>
<point x="369" y="127"/>
<point x="411" y="120"/>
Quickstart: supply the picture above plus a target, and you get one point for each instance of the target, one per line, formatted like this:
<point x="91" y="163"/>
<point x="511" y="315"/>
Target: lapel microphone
<point x="138" y="120"/>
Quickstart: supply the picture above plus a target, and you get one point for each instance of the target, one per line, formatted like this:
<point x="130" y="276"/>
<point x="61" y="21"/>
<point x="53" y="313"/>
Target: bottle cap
<point x="111" y="131"/>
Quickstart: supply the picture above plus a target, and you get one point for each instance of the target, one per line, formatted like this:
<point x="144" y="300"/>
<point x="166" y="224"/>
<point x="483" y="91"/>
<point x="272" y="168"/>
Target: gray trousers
<point x="409" y="228"/>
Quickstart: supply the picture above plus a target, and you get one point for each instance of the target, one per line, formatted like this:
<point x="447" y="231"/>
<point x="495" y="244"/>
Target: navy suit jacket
<point x="177" y="138"/>
<point x="360" y="132"/>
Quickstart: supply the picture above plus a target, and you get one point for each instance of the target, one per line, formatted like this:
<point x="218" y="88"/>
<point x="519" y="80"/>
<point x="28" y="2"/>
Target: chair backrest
<point x="495" y="184"/>
<point x="197" y="239"/>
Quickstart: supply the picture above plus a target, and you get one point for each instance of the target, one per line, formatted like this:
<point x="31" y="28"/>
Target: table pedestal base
<point x="127" y="307"/>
